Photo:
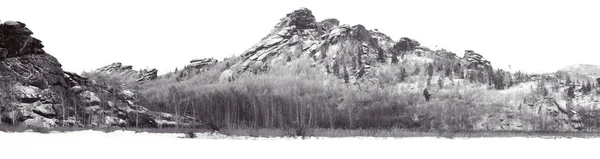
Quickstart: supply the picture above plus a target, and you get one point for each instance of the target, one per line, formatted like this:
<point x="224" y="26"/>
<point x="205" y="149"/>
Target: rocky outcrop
<point x="202" y="63"/>
<point x="474" y="60"/>
<point x="406" y="44"/>
<point x="116" y="67"/>
<point x="147" y="75"/>
<point x="16" y="40"/>
<point x="127" y="71"/>
<point x="35" y="91"/>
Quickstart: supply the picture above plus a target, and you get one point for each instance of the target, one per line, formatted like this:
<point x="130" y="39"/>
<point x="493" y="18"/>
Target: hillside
<point x="582" y="72"/>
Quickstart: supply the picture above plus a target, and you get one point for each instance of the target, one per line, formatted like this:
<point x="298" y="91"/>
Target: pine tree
<point x="403" y="74"/>
<point x="447" y="71"/>
<point x="426" y="95"/>
<point x="380" y="55"/>
<point x="571" y="92"/>
<point x="417" y="71"/>
<point x="541" y="88"/>
<point x="499" y="79"/>
<point x="587" y="88"/>
<point x="346" y="76"/>
<point x="430" y="70"/>
<point x="394" y="57"/>
<point x="335" y="69"/>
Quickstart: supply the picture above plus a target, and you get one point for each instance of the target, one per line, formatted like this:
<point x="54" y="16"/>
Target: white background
<point x="531" y="35"/>
<point x="127" y="145"/>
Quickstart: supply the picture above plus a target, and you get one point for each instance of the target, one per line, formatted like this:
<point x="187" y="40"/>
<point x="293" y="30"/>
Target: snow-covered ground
<point x="130" y="145"/>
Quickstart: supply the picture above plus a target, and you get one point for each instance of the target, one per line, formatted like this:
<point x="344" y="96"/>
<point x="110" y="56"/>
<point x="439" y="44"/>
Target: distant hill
<point x="583" y="72"/>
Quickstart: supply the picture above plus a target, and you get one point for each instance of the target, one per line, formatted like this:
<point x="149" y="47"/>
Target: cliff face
<point x="35" y="91"/>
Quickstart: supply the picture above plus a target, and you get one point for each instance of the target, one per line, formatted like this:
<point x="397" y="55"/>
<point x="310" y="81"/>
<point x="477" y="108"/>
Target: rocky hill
<point x="35" y="91"/>
<point x="341" y="49"/>
<point x="359" y="55"/>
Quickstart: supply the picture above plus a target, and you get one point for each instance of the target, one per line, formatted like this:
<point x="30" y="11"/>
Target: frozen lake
<point x="127" y="144"/>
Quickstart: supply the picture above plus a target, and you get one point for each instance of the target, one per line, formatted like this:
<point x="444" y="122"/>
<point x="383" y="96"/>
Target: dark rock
<point x="16" y="40"/>
<point x="301" y="19"/>
<point x="406" y="44"/>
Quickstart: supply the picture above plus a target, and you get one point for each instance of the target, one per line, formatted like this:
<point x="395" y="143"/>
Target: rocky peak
<point x="16" y="40"/>
<point x="406" y="44"/>
<point x="301" y="19"/>
<point x="337" y="48"/>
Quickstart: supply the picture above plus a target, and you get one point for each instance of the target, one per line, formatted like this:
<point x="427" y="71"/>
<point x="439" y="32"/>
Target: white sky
<point x="85" y="35"/>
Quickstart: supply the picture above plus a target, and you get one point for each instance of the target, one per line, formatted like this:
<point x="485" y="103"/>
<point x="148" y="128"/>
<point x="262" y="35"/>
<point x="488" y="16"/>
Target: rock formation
<point x="202" y="63"/>
<point x="35" y="91"/>
<point x="333" y="46"/>
<point x="474" y="60"/>
<point x="141" y="76"/>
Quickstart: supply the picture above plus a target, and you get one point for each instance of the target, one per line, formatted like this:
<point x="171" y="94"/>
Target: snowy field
<point x="130" y="145"/>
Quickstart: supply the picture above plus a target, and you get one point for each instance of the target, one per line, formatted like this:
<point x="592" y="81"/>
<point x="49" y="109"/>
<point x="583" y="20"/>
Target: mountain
<point x="341" y="49"/>
<point x="325" y="74"/>
<point x="36" y="92"/>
